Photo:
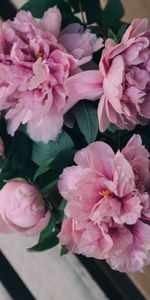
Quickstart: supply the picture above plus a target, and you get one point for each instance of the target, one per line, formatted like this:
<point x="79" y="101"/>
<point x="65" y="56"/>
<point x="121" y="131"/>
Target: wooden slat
<point x="46" y="274"/>
<point x="142" y="280"/>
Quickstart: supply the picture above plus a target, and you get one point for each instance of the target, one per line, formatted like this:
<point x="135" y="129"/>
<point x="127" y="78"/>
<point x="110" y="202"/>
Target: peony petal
<point x="97" y="156"/>
<point x="51" y="21"/>
<point x="123" y="176"/>
<point x="46" y="127"/>
<point x="103" y="119"/>
<point x="4" y="228"/>
<point x="40" y="226"/>
<point x="80" y="87"/>
<point x="137" y="27"/>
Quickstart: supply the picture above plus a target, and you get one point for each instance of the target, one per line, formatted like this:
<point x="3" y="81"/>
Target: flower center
<point x="106" y="193"/>
<point x="39" y="55"/>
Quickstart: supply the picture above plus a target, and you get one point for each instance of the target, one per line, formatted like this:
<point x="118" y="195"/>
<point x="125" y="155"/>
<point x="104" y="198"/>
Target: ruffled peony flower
<point x="35" y="61"/>
<point x="22" y="208"/>
<point x="122" y="81"/>
<point x="108" y="205"/>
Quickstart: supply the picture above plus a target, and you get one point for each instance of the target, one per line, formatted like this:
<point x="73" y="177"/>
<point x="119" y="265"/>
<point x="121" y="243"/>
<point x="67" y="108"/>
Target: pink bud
<point x="22" y="208"/>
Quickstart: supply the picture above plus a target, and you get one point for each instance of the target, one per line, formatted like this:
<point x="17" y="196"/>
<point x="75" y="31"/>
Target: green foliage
<point x="75" y="5"/>
<point x="69" y="19"/>
<point x="41" y="152"/>
<point x="21" y="151"/>
<point x="48" y="243"/>
<point x="7" y="175"/>
<point x="63" y="159"/>
<point x="63" y="250"/>
<point x="112" y="35"/>
<point x="16" y="161"/>
<point x="42" y="169"/>
<point x="92" y="10"/>
<point x="112" y="128"/>
<point x="47" y="189"/>
<point x="121" y="31"/>
<point x="86" y="116"/>
<point x="48" y="230"/>
<point x="38" y="7"/>
<point x="112" y="14"/>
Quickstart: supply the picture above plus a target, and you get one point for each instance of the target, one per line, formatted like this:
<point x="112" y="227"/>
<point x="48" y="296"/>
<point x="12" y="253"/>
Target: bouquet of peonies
<point x="75" y="131"/>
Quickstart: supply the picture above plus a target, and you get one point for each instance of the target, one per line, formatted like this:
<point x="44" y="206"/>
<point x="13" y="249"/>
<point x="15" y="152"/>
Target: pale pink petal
<point x="123" y="176"/>
<point x="40" y="226"/>
<point x="144" y="108"/>
<point x="137" y="254"/>
<point x="112" y="83"/>
<point x="135" y="140"/>
<point x="15" y="117"/>
<point x="51" y="21"/>
<point x="97" y="156"/>
<point x="79" y="42"/>
<point x="46" y="127"/>
<point x="137" y="27"/>
<point x="4" y="228"/>
<point x="80" y="87"/>
<point x="68" y="236"/>
<point x="130" y="210"/>
<point x="138" y="157"/>
<point x="103" y="119"/>
<point x="122" y="238"/>
<point x="95" y="242"/>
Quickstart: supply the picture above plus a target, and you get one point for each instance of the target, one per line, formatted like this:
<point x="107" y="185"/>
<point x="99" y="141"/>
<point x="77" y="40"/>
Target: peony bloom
<point x="22" y="208"/>
<point x="35" y="61"/>
<point x="108" y="205"/>
<point x="122" y="81"/>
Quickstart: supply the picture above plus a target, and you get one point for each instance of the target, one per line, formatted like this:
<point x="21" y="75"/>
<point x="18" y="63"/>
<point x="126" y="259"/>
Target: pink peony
<point x="79" y="43"/>
<point x="35" y="61"/>
<point x="22" y="208"/>
<point x="108" y="205"/>
<point x="122" y="81"/>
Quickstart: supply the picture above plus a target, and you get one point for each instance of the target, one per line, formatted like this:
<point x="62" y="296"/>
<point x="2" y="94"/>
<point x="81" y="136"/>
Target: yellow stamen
<point x="106" y="193"/>
<point x="39" y="55"/>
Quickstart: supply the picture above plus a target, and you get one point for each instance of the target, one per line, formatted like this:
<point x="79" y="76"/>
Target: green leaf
<point x="46" y="190"/>
<point x="48" y="230"/>
<point x="63" y="250"/>
<point x="63" y="204"/>
<point x="58" y="216"/>
<point x="112" y="35"/>
<point x="63" y="159"/>
<point x="42" y="152"/>
<point x="86" y="116"/>
<point x="48" y="243"/>
<point x="42" y="169"/>
<point x="69" y="18"/>
<point x="75" y="5"/>
<point x="21" y="151"/>
<point x="112" y="128"/>
<point x="92" y="9"/>
<point x="112" y="13"/>
<point x="121" y="31"/>
<point x="38" y="7"/>
<point x="7" y="175"/>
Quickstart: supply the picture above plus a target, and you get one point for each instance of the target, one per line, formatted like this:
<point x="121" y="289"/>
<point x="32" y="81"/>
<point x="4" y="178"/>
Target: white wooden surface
<point x="47" y="275"/>
<point x="3" y="293"/>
